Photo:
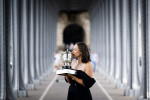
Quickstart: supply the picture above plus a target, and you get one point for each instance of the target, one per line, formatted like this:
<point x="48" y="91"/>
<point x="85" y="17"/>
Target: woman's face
<point x="76" y="52"/>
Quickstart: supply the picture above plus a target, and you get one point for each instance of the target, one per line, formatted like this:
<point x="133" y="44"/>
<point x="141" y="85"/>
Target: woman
<point x="83" y="79"/>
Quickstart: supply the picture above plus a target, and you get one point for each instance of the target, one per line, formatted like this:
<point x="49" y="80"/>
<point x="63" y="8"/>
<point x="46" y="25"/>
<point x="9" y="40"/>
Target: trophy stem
<point x="67" y="64"/>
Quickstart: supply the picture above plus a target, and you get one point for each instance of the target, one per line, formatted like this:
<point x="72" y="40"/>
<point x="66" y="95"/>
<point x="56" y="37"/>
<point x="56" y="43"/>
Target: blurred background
<point x="34" y="33"/>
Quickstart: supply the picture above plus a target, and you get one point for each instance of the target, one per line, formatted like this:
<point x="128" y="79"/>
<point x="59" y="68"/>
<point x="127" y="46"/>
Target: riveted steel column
<point x="2" y="52"/>
<point x="93" y="34"/>
<point x="15" y="31"/>
<point x="22" y="88"/>
<point x="47" y="34"/>
<point x="104" y="40"/>
<point x="45" y="43"/>
<point x="41" y="37"/>
<point x="47" y="17"/>
<point x="44" y="35"/>
<point x="145" y="31"/>
<point x="42" y="40"/>
<point x="96" y="33"/>
<point x="124" y="42"/>
<point x="120" y="85"/>
<point x="148" y="50"/>
<point x="25" y="41"/>
<point x="112" y="41"/>
<point x="98" y="37"/>
<point x="11" y="48"/>
<point x="134" y="37"/>
<point x="43" y="22"/>
<point x="52" y="48"/>
<point x="35" y="74"/>
<point x="101" y="38"/>
<point x="50" y="39"/>
<point x="118" y="41"/>
<point x="50" y="34"/>
<point x="31" y="44"/>
<point x="133" y="46"/>
<point x="107" y="38"/>
<point x="36" y="40"/>
<point x="114" y="33"/>
<point x="7" y="27"/>
<point x="91" y="30"/>
<point x="129" y="79"/>
<point x="133" y="54"/>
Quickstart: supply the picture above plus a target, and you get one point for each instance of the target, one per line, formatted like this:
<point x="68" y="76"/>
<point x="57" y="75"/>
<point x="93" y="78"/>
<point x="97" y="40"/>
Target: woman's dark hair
<point x="85" y="52"/>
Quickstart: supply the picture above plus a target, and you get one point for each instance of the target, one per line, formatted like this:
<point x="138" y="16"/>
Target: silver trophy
<point x="66" y="58"/>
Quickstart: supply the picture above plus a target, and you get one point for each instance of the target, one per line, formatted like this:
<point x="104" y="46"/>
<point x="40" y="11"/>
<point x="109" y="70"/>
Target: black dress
<point x="79" y="92"/>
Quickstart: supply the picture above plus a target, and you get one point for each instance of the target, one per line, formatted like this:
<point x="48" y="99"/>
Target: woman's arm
<point x="78" y="80"/>
<point x="67" y="79"/>
<point x="89" y="69"/>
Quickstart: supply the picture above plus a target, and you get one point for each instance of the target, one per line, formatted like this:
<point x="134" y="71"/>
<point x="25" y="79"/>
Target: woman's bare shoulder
<point x="89" y="65"/>
<point x="89" y="69"/>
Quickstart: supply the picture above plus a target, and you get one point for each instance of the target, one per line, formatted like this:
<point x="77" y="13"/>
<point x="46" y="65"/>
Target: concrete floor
<point x="51" y="89"/>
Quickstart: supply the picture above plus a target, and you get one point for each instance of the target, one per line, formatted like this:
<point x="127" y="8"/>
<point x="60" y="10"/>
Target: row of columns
<point x="27" y="44"/>
<point x="117" y="26"/>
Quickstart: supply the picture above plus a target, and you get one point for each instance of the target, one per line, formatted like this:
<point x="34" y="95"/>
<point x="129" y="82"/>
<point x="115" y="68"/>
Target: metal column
<point x="2" y="52"/>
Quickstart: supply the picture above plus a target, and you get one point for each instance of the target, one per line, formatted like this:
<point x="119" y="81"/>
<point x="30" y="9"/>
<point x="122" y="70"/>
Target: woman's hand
<point x="70" y="75"/>
<point x="80" y="81"/>
<point x="66" y="75"/>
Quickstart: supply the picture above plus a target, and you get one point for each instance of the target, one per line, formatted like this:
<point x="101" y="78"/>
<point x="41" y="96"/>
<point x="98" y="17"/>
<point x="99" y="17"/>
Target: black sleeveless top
<point x="77" y="91"/>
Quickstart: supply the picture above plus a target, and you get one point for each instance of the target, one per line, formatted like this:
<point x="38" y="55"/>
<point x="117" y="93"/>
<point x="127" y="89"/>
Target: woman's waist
<point x="77" y="85"/>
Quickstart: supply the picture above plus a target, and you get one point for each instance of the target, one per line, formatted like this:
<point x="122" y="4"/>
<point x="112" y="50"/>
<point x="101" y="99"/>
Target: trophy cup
<point x="66" y="58"/>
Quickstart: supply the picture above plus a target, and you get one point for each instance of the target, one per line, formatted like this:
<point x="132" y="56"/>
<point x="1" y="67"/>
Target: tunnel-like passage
<point x="119" y="33"/>
<point x="73" y="33"/>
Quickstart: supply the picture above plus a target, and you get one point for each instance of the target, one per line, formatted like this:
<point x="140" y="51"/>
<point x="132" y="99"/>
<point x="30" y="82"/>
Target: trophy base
<point x="65" y="71"/>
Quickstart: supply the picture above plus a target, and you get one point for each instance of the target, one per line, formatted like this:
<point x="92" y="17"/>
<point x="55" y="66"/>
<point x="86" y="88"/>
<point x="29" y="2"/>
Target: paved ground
<point x="54" y="87"/>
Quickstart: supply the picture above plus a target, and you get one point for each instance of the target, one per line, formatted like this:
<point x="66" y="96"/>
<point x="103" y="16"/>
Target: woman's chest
<point x="77" y="66"/>
<point x="81" y="67"/>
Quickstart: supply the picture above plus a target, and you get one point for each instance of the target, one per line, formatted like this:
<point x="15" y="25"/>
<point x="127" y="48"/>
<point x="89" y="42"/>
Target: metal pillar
<point x="124" y="42"/>
<point x="22" y="89"/>
<point x="10" y="95"/>
<point x="134" y="37"/>
<point x="36" y="40"/>
<point x="41" y="37"/>
<point x="133" y="48"/>
<point x="104" y="41"/>
<point x="111" y="41"/>
<point x="145" y="18"/>
<point x="118" y="42"/>
<point x="15" y="31"/>
<point x="2" y="52"/>
<point x="107" y="39"/>
<point x="31" y="45"/>
<point x="25" y="41"/>
<point x="114" y="34"/>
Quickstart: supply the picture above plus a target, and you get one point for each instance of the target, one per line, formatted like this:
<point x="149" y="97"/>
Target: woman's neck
<point x="79" y="60"/>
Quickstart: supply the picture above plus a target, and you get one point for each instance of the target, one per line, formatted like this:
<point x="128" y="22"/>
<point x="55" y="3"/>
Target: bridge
<point x="32" y="30"/>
